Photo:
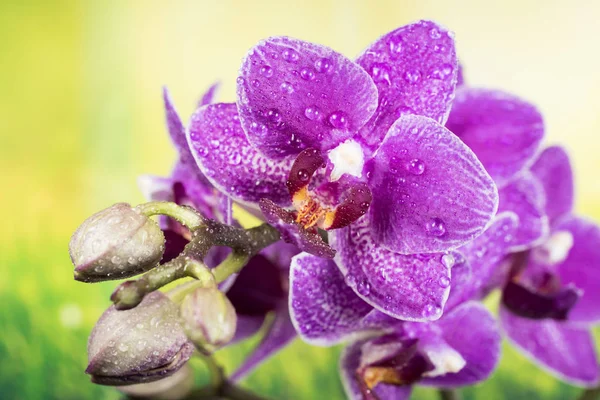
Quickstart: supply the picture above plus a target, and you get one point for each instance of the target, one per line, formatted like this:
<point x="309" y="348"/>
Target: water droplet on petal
<point x="448" y="260"/>
<point x="240" y="80"/>
<point x="415" y="167"/>
<point x="290" y="55"/>
<point x="444" y="281"/>
<point x="323" y="65"/>
<point x="338" y="120"/>
<point x="435" y="227"/>
<point x="431" y="311"/>
<point x="255" y="82"/>
<point x="313" y="113"/>
<point x="307" y="74"/>
<point x="381" y="73"/>
<point x="412" y="76"/>
<point x="434" y="33"/>
<point x="351" y="281"/>
<point x="266" y="71"/>
<point x="364" y="288"/>
<point x="303" y="175"/>
<point x="274" y="116"/>
<point x="287" y="87"/>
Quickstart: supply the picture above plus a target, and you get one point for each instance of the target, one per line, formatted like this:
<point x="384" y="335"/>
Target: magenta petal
<point x="472" y="331"/>
<point x="409" y="287"/>
<point x="430" y="193"/>
<point x="294" y="94"/>
<point x="582" y="267"/>
<point x="563" y="350"/>
<point x="482" y="255"/>
<point x="176" y="130"/>
<point x="504" y="131"/>
<point x="553" y="170"/>
<point x="279" y="334"/>
<point x="229" y="161"/>
<point x="323" y="308"/>
<point x="350" y="362"/>
<point x="209" y="96"/>
<point x="415" y="69"/>
<point x="525" y="197"/>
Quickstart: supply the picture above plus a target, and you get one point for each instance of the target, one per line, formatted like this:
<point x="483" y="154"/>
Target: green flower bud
<point x="115" y="243"/>
<point x="140" y="345"/>
<point x="209" y="317"/>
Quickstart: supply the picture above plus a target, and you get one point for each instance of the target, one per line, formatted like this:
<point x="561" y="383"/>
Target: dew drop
<point x="381" y="73"/>
<point x="214" y="143"/>
<point x="444" y="281"/>
<point x="290" y="55"/>
<point x="266" y="71"/>
<point x="395" y="45"/>
<point x="307" y="74"/>
<point x="338" y="120"/>
<point x="431" y="311"/>
<point x="448" y="260"/>
<point x="351" y="280"/>
<point x="303" y="175"/>
<point x="287" y="87"/>
<point x="240" y="80"/>
<point x="123" y="347"/>
<point x="415" y="166"/>
<point x="323" y="65"/>
<point x="255" y="82"/>
<point x="435" y="227"/>
<point x="363" y="287"/>
<point x="313" y="113"/>
<point x="274" y="116"/>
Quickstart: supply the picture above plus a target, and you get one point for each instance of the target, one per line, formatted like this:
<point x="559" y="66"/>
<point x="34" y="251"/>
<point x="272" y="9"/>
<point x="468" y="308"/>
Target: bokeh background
<point x="81" y="117"/>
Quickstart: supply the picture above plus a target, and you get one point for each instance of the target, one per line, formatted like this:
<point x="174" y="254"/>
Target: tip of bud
<point x="115" y="243"/>
<point x="209" y="318"/>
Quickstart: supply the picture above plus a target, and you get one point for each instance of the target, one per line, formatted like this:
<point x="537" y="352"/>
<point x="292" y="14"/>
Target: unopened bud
<point x="174" y="387"/>
<point x="144" y="344"/>
<point x="115" y="243"/>
<point x="209" y="317"/>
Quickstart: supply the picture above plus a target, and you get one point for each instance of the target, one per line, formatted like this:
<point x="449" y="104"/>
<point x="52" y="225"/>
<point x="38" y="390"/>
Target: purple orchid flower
<point x="551" y="291"/>
<point x="387" y="356"/>
<point x="375" y="124"/>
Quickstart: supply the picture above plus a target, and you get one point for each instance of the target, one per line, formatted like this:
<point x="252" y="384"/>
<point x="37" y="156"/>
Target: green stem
<point x="231" y="265"/>
<point x="186" y="215"/>
<point x="590" y="394"/>
<point x="217" y="375"/>
<point x="449" y="394"/>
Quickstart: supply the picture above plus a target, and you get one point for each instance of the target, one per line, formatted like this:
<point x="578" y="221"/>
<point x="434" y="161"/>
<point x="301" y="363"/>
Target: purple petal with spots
<point x="409" y="287"/>
<point x="177" y="130"/>
<point x="414" y="68"/>
<point x="294" y="94"/>
<point x="563" y="350"/>
<point x="482" y="255"/>
<point x="229" y="161"/>
<point x="504" y="131"/>
<point x="430" y="192"/>
<point x="293" y="233"/>
<point x="582" y="267"/>
<point x="323" y="308"/>
<point x="280" y="333"/>
<point x="472" y="331"/>
<point x="553" y="170"/>
<point x="210" y="95"/>
<point x="525" y="197"/>
<point x="350" y="362"/>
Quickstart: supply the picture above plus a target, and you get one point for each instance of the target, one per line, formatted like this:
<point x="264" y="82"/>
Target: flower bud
<point x="174" y="387"/>
<point x="209" y="317"/>
<point x="115" y="243"/>
<point x="144" y="344"/>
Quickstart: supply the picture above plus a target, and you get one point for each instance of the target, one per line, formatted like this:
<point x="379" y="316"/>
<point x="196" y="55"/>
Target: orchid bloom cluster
<point x="395" y="197"/>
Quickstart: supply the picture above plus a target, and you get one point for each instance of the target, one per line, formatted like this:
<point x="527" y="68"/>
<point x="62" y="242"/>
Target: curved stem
<point x="231" y="265"/>
<point x="590" y="394"/>
<point x="186" y="215"/>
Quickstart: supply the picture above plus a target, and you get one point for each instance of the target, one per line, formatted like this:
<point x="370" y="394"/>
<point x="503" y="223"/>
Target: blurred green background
<point x="81" y="117"/>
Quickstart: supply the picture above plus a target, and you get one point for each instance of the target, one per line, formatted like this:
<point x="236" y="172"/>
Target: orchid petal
<point x="430" y="193"/>
<point x="553" y="170"/>
<point x="563" y="350"/>
<point x="323" y="308"/>
<point x="409" y="287"/>
<point x="225" y="156"/>
<point x="504" y="131"/>
<point x="415" y="70"/>
<point x="294" y="94"/>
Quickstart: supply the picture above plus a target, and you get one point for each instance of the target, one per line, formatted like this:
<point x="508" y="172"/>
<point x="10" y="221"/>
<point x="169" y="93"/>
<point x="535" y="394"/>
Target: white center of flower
<point x="556" y="249"/>
<point x="347" y="158"/>
<point x="445" y="359"/>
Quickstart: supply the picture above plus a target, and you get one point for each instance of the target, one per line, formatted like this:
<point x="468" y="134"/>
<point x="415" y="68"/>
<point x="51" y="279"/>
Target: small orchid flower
<point x="387" y="356"/>
<point x="378" y="122"/>
<point x="551" y="295"/>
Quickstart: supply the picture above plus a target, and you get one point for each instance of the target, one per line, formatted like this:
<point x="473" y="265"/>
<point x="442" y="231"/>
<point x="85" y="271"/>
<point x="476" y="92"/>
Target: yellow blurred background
<point x="81" y="117"/>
